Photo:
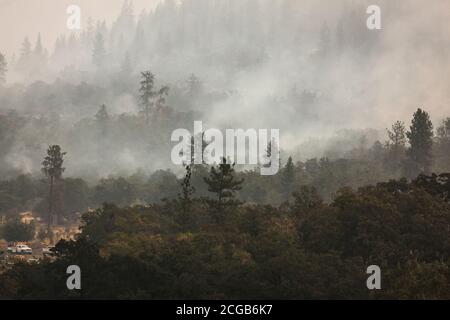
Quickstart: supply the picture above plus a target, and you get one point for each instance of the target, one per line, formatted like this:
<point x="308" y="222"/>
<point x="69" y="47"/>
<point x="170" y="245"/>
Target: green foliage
<point x="52" y="167"/>
<point x="76" y="196"/>
<point x="442" y="147"/>
<point x="53" y="161"/>
<point x="420" y="138"/>
<point x="118" y="190"/>
<point x="309" y="250"/>
<point x="316" y="244"/>
<point x="187" y="191"/>
<point x="396" y="146"/>
<point x="15" y="231"/>
<point x="223" y="183"/>
<point x="288" y="177"/>
<point x="306" y="199"/>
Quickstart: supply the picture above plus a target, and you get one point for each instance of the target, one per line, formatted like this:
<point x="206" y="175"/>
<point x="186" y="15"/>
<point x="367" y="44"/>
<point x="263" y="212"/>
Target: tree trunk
<point x="50" y="203"/>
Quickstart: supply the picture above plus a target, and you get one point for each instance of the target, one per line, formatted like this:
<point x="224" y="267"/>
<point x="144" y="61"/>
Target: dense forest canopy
<point x="364" y="119"/>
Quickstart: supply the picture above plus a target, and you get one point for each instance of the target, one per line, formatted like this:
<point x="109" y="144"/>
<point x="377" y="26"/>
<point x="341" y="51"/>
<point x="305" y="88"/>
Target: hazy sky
<point x="20" y="18"/>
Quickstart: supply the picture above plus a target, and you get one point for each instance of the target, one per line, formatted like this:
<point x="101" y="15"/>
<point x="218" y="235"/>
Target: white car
<point x="21" y="249"/>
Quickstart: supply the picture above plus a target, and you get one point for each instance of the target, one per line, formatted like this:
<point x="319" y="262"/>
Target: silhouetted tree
<point x="16" y="231"/>
<point x="52" y="167"/>
<point x="443" y="132"/>
<point x="147" y="93"/>
<point x="420" y="138"/>
<point x="149" y="96"/>
<point x="272" y="149"/>
<point x="443" y="146"/>
<point x="160" y="97"/>
<point x="288" y="177"/>
<point x="396" y="146"/>
<point x="187" y="191"/>
<point x="223" y="183"/>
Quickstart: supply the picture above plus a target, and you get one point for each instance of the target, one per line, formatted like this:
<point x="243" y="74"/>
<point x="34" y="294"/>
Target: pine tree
<point x="102" y="114"/>
<point x="223" y="183"/>
<point x="52" y="167"/>
<point x="3" y="69"/>
<point x="272" y="149"/>
<point x="187" y="191"/>
<point x="420" y="138"/>
<point x="151" y="98"/>
<point x="397" y="137"/>
<point x="443" y="132"/>
<point x="161" y="95"/>
<point x="396" y="146"/>
<point x="288" y="177"/>
<point x="147" y="93"/>
<point x="443" y="146"/>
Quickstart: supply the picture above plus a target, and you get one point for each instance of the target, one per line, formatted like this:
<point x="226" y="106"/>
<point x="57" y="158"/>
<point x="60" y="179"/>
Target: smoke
<point x="309" y="68"/>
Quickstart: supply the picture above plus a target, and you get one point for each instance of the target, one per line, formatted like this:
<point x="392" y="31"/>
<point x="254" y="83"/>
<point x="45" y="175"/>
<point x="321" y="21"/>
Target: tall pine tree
<point x="223" y="183"/>
<point x="52" y="167"/>
<point x="396" y="147"/>
<point x="288" y="177"/>
<point x="420" y="138"/>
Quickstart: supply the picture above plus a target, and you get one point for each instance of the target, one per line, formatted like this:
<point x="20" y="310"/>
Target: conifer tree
<point x="396" y="146"/>
<point x="288" y="177"/>
<point x="187" y="191"/>
<point x="223" y="183"/>
<point x="420" y="138"/>
<point x="151" y="99"/>
<point x="52" y="167"/>
<point x="147" y="93"/>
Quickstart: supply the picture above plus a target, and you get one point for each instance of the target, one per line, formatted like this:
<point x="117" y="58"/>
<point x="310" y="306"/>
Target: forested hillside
<point x="87" y="135"/>
<point x="306" y="249"/>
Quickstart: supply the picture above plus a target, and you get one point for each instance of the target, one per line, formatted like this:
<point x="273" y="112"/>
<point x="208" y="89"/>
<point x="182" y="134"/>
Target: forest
<point x="215" y="229"/>
<point x="364" y="174"/>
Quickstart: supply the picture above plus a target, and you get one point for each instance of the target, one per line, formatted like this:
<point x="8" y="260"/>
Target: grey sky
<point x="20" y="18"/>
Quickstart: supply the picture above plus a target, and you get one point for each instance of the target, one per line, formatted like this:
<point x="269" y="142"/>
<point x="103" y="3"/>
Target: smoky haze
<point x="310" y="68"/>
